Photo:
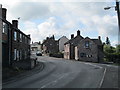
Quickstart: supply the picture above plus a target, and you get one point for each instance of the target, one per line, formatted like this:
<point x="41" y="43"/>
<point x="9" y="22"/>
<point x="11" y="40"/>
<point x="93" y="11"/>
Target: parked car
<point x="39" y="53"/>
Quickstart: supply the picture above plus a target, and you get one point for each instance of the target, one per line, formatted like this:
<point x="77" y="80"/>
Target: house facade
<point x="84" y="49"/>
<point x="15" y="44"/>
<point x="36" y="46"/>
<point x="50" y="45"/>
<point x="89" y="50"/>
<point x="69" y="46"/>
<point x="61" y="42"/>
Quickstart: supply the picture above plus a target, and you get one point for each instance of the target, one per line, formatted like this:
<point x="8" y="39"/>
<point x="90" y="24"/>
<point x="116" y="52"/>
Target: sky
<point x="44" y="18"/>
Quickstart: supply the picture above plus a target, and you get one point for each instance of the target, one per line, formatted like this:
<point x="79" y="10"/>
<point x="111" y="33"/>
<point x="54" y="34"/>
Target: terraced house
<point x="15" y="44"/>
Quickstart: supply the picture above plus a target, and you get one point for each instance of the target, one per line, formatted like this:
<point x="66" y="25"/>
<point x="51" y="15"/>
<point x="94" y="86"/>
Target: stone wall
<point x="88" y="54"/>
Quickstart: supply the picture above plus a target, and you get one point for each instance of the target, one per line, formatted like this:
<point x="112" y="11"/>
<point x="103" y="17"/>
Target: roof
<point x="97" y="41"/>
<point x="74" y="40"/>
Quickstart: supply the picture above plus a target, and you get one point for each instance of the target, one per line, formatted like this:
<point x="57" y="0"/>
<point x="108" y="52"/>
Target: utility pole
<point x="118" y="13"/>
<point x="117" y="8"/>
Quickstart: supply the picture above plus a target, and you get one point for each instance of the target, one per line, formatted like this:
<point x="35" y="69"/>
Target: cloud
<point x="63" y="18"/>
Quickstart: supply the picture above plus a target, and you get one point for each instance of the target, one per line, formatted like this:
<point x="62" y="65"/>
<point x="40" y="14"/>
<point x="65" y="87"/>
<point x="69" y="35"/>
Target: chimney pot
<point x="4" y="11"/>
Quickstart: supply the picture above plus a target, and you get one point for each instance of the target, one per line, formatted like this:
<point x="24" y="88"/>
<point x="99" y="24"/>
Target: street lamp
<point x="118" y="13"/>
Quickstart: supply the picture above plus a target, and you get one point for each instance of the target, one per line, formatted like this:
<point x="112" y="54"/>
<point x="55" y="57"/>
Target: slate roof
<point x="75" y="40"/>
<point x="97" y="41"/>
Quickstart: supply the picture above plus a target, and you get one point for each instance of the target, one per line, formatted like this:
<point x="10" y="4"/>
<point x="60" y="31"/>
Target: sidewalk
<point x="25" y="73"/>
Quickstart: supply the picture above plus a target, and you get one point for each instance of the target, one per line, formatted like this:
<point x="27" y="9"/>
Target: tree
<point x="112" y="53"/>
<point x="107" y="41"/>
<point x="109" y="49"/>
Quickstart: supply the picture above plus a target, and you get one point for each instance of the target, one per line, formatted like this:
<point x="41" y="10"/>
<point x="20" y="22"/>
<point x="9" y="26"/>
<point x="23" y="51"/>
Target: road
<point x="60" y="73"/>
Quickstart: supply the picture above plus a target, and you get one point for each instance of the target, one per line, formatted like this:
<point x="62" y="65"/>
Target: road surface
<point x="60" y="73"/>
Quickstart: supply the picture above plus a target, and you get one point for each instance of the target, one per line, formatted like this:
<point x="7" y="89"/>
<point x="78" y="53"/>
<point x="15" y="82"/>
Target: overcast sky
<point x="63" y="18"/>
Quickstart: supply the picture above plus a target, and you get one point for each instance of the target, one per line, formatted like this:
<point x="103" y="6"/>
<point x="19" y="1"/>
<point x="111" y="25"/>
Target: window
<point x="15" y="35"/>
<point x="87" y="44"/>
<point x="5" y="28"/>
<point x="15" y="52"/>
<point x="82" y="54"/>
<point x="20" y="37"/>
<point x="18" y="55"/>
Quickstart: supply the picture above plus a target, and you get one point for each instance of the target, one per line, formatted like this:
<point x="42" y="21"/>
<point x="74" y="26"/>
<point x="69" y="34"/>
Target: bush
<point x="58" y="55"/>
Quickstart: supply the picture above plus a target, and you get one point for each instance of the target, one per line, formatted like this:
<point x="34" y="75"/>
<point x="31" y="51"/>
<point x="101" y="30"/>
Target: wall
<point x="61" y="43"/>
<point x="67" y="51"/>
<point x="93" y="50"/>
<point x="76" y="53"/>
<point x="0" y="47"/>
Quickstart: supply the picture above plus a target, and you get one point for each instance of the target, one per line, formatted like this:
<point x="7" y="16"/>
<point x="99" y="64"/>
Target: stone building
<point x="50" y="45"/>
<point x="84" y="49"/>
<point x="15" y="44"/>
<point x="69" y="46"/>
<point x="89" y="50"/>
<point x="36" y="46"/>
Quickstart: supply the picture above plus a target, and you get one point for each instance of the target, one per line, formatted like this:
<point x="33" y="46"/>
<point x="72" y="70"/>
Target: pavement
<point x="61" y="73"/>
<point x="39" y="67"/>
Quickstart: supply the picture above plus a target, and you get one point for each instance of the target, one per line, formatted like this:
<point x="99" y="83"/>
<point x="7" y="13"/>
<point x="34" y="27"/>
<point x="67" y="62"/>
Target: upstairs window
<point x="5" y="28"/>
<point x="87" y="44"/>
<point x="15" y="35"/>
<point x="20" y="37"/>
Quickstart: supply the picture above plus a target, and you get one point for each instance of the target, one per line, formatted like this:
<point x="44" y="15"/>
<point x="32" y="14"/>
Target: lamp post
<point x="117" y="8"/>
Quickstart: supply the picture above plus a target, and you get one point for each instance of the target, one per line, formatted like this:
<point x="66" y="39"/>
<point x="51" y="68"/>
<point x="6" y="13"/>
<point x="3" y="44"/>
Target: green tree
<point x="107" y="41"/>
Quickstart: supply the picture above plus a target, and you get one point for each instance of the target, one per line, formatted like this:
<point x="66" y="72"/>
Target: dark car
<point x="39" y="53"/>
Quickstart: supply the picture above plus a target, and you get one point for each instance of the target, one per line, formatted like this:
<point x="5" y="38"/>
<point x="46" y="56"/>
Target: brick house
<point x="15" y="44"/>
<point x="69" y="46"/>
<point x="89" y="50"/>
<point x="50" y="45"/>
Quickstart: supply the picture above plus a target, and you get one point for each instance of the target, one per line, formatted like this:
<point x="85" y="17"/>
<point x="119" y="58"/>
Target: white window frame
<point x="15" y="54"/>
<point x="20" y="37"/>
<point x="5" y="28"/>
<point x="15" y="35"/>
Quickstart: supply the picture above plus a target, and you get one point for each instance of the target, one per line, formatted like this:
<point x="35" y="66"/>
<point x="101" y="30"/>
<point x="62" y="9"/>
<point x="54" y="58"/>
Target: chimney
<point x="47" y="38"/>
<point x="72" y="36"/>
<point x="28" y="35"/>
<point x="99" y="37"/>
<point x="15" y="23"/>
<point x="78" y="33"/>
<point x="4" y="11"/>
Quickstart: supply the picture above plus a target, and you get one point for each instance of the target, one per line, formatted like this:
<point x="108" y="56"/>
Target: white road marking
<point x="55" y="81"/>
<point x="101" y="82"/>
<point x="93" y="65"/>
<point x="102" y="78"/>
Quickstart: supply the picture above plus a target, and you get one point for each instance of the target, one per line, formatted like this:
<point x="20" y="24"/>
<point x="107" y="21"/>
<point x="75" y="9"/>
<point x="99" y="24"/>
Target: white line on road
<point x="93" y="65"/>
<point x="101" y="82"/>
<point x="55" y="81"/>
<point x="102" y="78"/>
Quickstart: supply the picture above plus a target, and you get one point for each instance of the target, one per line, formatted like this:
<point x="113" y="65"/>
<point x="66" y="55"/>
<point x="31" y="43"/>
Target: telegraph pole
<point x="118" y="13"/>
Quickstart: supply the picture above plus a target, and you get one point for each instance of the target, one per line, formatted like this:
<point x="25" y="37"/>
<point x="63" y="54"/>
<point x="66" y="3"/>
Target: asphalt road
<point x="60" y="73"/>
